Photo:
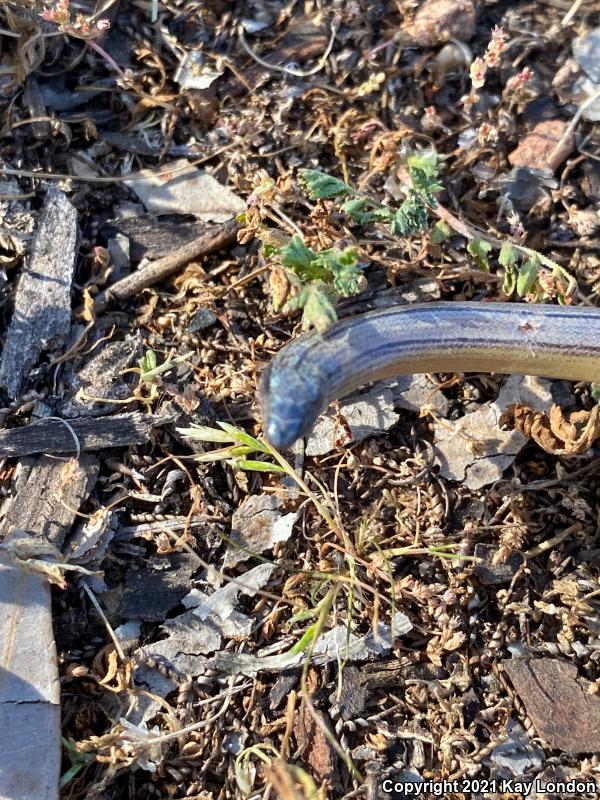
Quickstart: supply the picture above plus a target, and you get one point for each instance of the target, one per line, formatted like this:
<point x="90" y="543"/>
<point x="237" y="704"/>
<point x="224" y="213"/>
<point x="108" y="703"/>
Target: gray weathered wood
<point x="42" y="312"/>
<point x="47" y="494"/>
<point x="93" y="433"/>
<point x="29" y="689"/>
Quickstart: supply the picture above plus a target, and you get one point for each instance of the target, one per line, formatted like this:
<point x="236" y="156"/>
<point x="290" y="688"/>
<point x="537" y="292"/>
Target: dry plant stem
<point x="138" y="176"/>
<point x="208" y="242"/>
<point x="298" y="73"/>
<point x="331" y="521"/>
<point x="320" y="624"/>
<point x="568" y="132"/>
<point x="112" y="634"/>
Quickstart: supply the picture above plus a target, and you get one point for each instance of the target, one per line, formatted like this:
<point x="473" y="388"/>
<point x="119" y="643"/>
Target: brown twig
<point x="213" y="239"/>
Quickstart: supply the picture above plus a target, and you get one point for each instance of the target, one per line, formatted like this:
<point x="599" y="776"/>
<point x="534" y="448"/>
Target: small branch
<point x="215" y="238"/>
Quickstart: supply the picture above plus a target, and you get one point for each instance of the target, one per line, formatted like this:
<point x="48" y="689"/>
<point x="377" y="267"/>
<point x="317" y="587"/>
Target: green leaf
<point x="205" y="434"/>
<point x="425" y="186"/>
<point x="595" y="392"/>
<point x="508" y="255"/>
<point x="304" y="640"/>
<point x="343" y="270"/>
<point x="440" y="232"/>
<point x="510" y="280"/>
<point x="259" y="466"/>
<point x="225" y="453"/>
<point x="320" y="185"/>
<point x="527" y="276"/>
<point x="356" y="206"/>
<point x="410" y="218"/>
<point x="296" y="255"/>
<point x="147" y="363"/>
<point x="427" y="161"/>
<point x="356" y="209"/>
<point x="319" y="310"/>
<point x="479" y="249"/>
<point x="302" y="616"/>
<point x="237" y="434"/>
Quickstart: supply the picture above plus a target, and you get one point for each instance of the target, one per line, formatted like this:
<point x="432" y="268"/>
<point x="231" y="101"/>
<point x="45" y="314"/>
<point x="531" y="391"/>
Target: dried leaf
<point x="554" y="432"/>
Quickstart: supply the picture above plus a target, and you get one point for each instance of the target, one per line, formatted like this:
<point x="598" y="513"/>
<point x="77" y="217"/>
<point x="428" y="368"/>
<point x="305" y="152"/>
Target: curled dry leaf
<point x="554" y="432"/>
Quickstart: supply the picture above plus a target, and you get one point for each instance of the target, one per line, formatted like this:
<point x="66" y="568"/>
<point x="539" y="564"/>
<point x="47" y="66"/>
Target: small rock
<point x="525" y="187"/>
<point x="586" y="50"/>
<point x="583" y="89"/>
<point x="536" y="150"/>
<point x="256" y="526"/>
<point x="157" y="586"/>
<point x="183" y="651"/>
<point x="412" y="392"/>
<point x="516" y="755"/>
<point x="438" y="21"/>
<point x="202" y="319"/>
<point x="490" y="573"/>
<point x="474" y="449"/>
<point x="185" y="191"/>
<point x="366" y="414"/>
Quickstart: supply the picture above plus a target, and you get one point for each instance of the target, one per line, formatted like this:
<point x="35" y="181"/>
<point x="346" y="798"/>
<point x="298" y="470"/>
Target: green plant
<point x="526" y="271"/>
<point x="239" y="445"/>
<point x="318" y="279"/>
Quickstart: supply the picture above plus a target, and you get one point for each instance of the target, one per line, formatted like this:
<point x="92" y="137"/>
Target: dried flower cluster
<point x="491" y="57"/>
<point x="80" y="26"/>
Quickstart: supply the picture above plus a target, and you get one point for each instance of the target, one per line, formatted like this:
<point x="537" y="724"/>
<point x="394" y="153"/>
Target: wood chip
<point x="42" y="314"/>
<point x="47" y="494"/>
<point x="559" y="703"/>
<point x="314" y="745"/>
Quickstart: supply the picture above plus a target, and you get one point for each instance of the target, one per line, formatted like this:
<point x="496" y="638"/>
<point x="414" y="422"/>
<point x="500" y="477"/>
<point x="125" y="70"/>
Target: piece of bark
<point x="104" y="375"/>
<point x="314" y="745"/>
<point x="47" y="495"/>
<point x="558" y="702"/>
<point x="156" y="586"/>
<point x="150" y="237"/>
<point x="42" y="313"/>
<point x="32" y="98"/>
<point x="93" y="433"/>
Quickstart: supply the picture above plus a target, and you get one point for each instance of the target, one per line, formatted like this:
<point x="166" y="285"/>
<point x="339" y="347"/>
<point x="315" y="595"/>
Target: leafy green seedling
<point x="239" y="445"/>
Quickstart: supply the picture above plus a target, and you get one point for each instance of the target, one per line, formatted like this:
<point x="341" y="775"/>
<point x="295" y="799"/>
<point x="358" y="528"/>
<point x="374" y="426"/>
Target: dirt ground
<point x="418" y="620"/>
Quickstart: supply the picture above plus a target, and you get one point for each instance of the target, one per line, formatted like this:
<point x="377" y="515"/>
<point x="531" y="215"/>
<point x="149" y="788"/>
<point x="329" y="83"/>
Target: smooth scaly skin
<point x="314" y="369"/>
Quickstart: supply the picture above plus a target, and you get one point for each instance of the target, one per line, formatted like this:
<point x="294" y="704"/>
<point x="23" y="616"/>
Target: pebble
<point x="438" y="21"/>
<point x="536" y="150"/>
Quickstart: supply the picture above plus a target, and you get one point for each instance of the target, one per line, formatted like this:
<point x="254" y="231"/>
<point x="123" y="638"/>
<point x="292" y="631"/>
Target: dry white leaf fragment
<point x="256" y="526"/>
<point x="176" y="190"/>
